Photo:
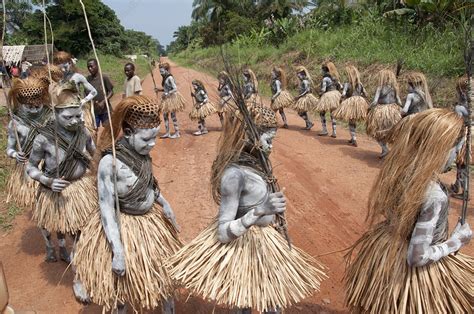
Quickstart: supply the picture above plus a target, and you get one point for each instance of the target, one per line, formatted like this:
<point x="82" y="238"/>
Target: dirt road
<point x="327" y="184"/>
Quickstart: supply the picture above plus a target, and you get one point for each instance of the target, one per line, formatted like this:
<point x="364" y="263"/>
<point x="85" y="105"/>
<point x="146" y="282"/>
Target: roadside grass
<point x="8" y="212"/>
<point x="371" y="45"/>
<point x="113" y="67"/>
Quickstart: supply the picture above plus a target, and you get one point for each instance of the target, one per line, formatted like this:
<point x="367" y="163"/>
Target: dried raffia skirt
<point x="352" y="109"/>
<point x="21" y="188"/>
<point x="256" y="270"/>
<point x="306" y="103"/>
<point x="380" y="281"/>
<point x="89" y="119"/>
<point x="68" y="211"/>
<point x="148" y="240"/>
<point x="173" y="103"/>
<point x="381" y="119"/>
<point x="253" y="101"/>
<point x="329" y="101"/>
<point x="284" y="100"/>
<point x="201" y="112"/>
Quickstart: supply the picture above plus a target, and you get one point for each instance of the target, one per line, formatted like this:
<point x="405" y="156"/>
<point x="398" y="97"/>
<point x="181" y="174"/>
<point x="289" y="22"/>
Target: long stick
<point x="114" y="153"/>
<point x="8" y="79"/>
<point x="56" y="142"/>
<point x="254" y="136"/>
<point x="468" y="60"/>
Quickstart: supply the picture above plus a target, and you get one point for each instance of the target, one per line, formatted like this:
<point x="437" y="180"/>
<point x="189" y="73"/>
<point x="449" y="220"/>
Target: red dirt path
<point x="327" y="184"/>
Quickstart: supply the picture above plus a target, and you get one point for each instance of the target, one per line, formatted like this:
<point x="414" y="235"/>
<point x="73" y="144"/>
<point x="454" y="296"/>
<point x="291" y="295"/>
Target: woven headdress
<point x="29" y="91"/>
<point x="61" y="57"/>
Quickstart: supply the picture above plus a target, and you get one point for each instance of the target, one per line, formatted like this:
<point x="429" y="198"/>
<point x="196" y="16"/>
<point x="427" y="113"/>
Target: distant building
<point x="33" y="53"/>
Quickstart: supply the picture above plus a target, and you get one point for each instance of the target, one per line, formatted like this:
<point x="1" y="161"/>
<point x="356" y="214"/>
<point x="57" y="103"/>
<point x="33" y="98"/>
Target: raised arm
<point x="105" y="186"/>
<point x="421" y="251"/>
<point x="80" y="79"/>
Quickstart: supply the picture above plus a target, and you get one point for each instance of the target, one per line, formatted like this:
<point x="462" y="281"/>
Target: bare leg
<point x="352" y="129"/>
<point x="333" y="124"/>
<point x="167" y="125"/>
<point x="168" y="306"/>
<point x="199" y="131"/>
<point x="384" y="147"/>
<point x="176" y="126"/>
<point x="283" y="117"/>
<point x="78" y="288"/>
<point x="324" y="131"/>
<point x="121" y="309"/>
<point x="63" y="254"/>
<point x="204" y="129"/>
<point x="306" y="118"/>
<point x="50" y="251"/>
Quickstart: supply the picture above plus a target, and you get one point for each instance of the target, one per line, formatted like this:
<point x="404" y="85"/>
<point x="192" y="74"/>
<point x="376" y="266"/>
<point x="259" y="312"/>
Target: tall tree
<point x="280" y="8"/>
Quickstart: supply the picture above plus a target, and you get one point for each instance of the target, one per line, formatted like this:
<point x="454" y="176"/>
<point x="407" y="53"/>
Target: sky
<point x="158" y="18"/>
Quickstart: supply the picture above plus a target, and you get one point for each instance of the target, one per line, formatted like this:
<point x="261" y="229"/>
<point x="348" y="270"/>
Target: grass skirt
<point x="284" y="100"/>
<point x="89" y="120"/>
<point x="306" y="103"/>
<point x="202" y="112"/>
<point x="329" y="101"/>
<point x="148" y="240"/>
<point x="381" y="119"/>
<point x="68" y="211"/>
<point x="379" y="281"/>
<point x="173" y="103"/>
<point x="21" y="188"/>
<point x="253" y="101"/>
<point x="352" y="109"/>
<point x="256" y="270"/>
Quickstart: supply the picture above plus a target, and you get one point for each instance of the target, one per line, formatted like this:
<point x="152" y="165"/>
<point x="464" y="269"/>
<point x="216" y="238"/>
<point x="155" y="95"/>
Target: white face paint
<point x="195" y="87"/>
<point x="65" y="67"/>
<point x="70" y="118"/>
<point x="266" y="140"/>
<point x="246" y="79"/>
<point x="143" y="140"/>
<point x="163" y="71"/>
<point x="32" y="109"/>
<point x="301" y="75"/>
<point x="274" y="75"/>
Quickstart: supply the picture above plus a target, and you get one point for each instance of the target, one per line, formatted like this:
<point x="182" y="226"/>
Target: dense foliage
<point x="216" y="22"/>
<point x="25" y="26"/>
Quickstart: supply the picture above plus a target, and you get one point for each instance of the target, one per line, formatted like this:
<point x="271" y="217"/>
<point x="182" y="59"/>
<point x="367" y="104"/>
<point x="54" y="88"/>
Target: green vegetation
<point x="7" y="218"/>
<point x="113" y="67"/>
<point x="370" y="34"/>
<point x="25" y="26"/>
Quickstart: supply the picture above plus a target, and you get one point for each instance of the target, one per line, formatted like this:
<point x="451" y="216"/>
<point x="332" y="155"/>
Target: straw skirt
<point x="148" y="240"/>
<point x="284" y="100"/>
<point x="256" y="270"/>
<point x="21" y="188"/>
<point x="306" y="103"/>
<point x="352" y="109"/>
<point x="378" y="281"/>
<point x="173" y="103"/>
<point x="68" y="211"/>
<point x="224" y="104"/>
<point x="202" y="111"/>
<point x="329" y="101"/>
<point x="381" y="119"/>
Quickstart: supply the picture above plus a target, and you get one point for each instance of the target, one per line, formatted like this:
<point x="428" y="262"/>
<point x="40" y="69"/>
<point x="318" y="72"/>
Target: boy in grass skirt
<point x="240" y="260"/>
<point x="120" y="257"/>
<point x="202" y="108"/>
<point x="407" y="263"/>
<point x="29" y="99"/>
